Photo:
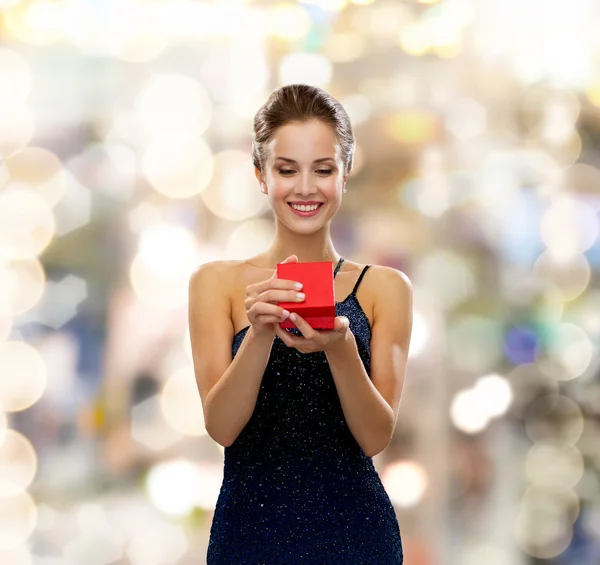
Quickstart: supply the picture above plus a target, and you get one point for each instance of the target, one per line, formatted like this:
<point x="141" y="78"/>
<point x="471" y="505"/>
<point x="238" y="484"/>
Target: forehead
<point x="305" y="141"/>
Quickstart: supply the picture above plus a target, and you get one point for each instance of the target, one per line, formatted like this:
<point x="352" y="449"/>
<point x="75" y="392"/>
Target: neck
<point x="307" y="247"/>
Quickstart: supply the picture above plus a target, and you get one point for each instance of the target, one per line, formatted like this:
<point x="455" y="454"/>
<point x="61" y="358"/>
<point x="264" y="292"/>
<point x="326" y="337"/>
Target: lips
<point x="308" y="213"/>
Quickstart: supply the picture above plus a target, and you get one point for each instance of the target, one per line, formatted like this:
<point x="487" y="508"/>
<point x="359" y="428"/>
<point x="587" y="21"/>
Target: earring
<point x="264" y="188"/>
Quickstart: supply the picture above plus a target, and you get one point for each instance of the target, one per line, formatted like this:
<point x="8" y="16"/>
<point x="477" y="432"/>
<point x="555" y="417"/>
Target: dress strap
<point x="362" y="274"/>
<point x="337" y="267"/>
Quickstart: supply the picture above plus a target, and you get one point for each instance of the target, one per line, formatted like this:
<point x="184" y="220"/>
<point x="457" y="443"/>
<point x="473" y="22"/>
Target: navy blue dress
<point x="297" y="488"/>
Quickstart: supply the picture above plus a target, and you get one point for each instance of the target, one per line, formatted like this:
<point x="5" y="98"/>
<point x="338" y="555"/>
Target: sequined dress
<point x="297" y="488"/>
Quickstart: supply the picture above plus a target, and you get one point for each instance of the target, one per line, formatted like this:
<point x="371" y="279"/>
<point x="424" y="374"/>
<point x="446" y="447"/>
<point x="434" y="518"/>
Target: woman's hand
<point x="261" y="302"/>
<point x="313" y="340"/>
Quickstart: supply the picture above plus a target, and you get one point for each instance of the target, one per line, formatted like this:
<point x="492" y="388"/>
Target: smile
<point x="305" y="209"/>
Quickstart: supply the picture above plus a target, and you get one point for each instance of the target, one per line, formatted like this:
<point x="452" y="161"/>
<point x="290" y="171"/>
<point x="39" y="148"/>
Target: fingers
<point x="265" y="308"/>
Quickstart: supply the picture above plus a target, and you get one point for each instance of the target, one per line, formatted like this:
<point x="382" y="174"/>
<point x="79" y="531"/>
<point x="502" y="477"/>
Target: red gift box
<point x="318" y="306"/>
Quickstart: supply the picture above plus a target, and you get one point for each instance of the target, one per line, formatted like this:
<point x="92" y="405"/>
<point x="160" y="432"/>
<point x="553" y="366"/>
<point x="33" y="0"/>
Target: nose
<point x="305" y="185"/>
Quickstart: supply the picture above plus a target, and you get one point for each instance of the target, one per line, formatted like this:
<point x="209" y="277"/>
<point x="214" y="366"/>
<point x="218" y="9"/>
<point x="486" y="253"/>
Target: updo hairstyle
<point x="301" y="103"/>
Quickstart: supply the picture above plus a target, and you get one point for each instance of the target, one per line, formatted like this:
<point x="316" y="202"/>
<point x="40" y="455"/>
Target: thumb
<point x="290" y="259"/>
<point x="341" y="324"/>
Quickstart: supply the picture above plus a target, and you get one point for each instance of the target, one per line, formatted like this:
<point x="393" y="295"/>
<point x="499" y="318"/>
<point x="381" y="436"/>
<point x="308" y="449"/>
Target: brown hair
<point x="301" y="103"/>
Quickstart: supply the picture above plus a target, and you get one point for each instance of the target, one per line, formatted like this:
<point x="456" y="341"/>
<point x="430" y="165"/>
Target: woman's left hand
<point x="313" y="340"/>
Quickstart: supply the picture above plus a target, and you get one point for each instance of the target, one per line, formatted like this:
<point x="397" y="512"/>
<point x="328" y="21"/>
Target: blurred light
<point x="328" y="5"/>
<point x="345" y="47"/>
<point x="475" y="343"/>
<point x="47" y="518"/>
<point x="495" y="394"/>
<point x="21" y="286"/>
<point x="173" y="486"/>
<point x="308" y="68"/>
<point x="38" y="170"/>
<point x="160" y="272"/>
<point x="412" y="127"/>
<point x="361" y="2"/>
<point x="593" y="93"/>
<point x="60" y="303"/>
<point x="171" y="102"/>
<point x="550" y="466"/>
<point x="449" y="278"/>
<point x="26" y="224"/>
<point x="18" y="464"/>
<point x="288" y="21"/>
<point x="7" y="3"/>
<point x="520" y="345"/>
<point x="250" y="238"/>
<point x="554" y="418"/>
<point x="177" y="164"/>
<point x="233" y="192"/>
<point x="541" y="529"/>
<point x="466" y="118"/>
<point x="559" y="121"/>
<point x="406" y="482"/>
<point x="157" y="544"/>
<point x="478" y="553"/>
<point x="413" y="39"/>
<point x="18" y="516"/>
<point x="16" y="79"/>
<point x="419" y="336"/>
<point x="17" y="556"/>
<point x="75" y="208"/>
<point x="6" y="324"/>
<point x="569" y="276"/>
<point x="39" y="22"/>
<point x="149" y="428"/>
<point x="145" y="215"/>
<point x="467" y="412"/>
<point x="168" y="248"/>
<point x="181" y="404"/>
<point x="569" y="227"/>
<point x="18" y="127"/>
<point x="572" y="348"/>
<point x="24" y="376"/>
<point x="3" y="426"/>
<point x="100" y="542"/>
<point x="382" y="21"/>
<point x="358" y="107"/>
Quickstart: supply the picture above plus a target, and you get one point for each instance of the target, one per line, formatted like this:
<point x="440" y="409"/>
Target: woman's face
<point x="304" y="169"/>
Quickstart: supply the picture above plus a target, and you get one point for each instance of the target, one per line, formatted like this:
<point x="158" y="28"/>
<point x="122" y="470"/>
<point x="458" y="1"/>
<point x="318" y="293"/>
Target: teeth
<point x="305" y="208"/>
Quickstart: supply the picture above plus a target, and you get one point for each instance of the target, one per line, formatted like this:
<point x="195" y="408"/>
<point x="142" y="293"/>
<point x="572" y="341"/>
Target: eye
<point x="286" y="172"/>
<point x="324" y="172"/>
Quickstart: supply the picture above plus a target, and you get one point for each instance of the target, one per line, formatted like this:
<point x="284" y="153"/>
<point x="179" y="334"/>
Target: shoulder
<point x="214" y="274"/>
<point x="388" y="278"/>
<point x="392" y="288"/>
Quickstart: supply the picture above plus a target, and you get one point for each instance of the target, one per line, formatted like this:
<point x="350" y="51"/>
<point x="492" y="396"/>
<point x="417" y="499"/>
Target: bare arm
<point x="229" y="386"/>
<point x="371" y="405"/>
<point x="228" y="389"/>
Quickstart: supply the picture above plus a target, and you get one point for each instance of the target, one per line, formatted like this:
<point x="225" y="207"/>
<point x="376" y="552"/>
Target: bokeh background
<point x="125" y="131"/>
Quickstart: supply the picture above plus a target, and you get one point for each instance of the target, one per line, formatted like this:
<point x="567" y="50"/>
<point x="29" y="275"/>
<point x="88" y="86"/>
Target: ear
<point x="259" y="176"/>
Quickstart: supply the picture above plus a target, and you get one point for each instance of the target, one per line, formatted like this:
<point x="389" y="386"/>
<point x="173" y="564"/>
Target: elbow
<point x="218" y="435"/>
<point x="376" y="447"/>
<point x="373" y="450"/>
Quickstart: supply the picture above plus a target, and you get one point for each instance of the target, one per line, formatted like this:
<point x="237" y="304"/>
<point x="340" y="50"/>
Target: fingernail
<point x="293" y="317"/>
<point x="300" y="296"/>
<point x="298" y="285"/>
<point x="286" y="313"/>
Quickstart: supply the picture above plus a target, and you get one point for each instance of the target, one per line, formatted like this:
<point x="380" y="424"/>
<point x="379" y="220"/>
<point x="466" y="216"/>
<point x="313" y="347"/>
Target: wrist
<point x="340" y="347"/>
<point x="266" y="336"/>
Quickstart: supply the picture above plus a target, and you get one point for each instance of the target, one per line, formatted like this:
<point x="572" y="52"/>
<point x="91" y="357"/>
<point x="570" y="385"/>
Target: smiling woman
<point x="302" y="412"/>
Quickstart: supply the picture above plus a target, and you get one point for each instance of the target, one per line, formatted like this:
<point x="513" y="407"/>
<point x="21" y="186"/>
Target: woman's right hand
<point x="261" y="301"/>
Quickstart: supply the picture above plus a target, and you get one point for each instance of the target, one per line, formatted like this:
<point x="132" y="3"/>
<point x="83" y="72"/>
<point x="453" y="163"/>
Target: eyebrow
<point x="288" y="160"/>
